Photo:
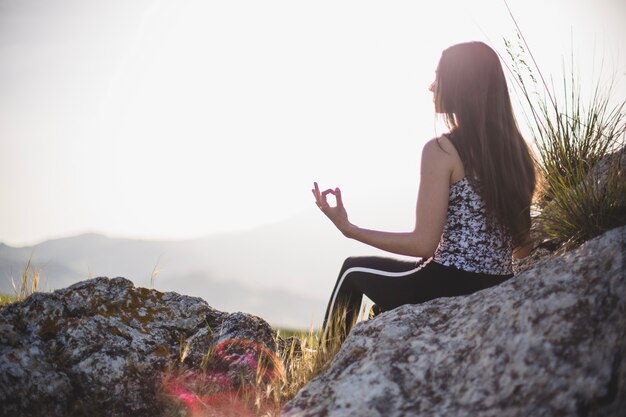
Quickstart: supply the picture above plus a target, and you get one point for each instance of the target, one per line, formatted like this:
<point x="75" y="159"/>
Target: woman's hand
<point x="336" y="214"/>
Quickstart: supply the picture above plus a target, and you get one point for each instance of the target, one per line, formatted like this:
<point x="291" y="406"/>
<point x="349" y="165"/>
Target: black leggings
<point x="390" y="283"/>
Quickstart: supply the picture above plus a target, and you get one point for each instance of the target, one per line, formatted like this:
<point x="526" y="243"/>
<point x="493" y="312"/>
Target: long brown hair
<point x="472" y="94"/>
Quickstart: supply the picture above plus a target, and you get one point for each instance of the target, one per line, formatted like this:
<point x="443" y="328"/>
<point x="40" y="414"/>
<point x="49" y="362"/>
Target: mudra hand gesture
<point x="337" y="214"/>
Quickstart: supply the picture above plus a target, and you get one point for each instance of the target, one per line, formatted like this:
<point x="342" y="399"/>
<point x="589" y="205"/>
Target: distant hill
<point x="282" y="272"/>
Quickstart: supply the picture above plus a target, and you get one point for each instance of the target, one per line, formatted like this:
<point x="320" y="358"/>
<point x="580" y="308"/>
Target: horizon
<point x="162" y="121"/>
<point x="210" y="234"/>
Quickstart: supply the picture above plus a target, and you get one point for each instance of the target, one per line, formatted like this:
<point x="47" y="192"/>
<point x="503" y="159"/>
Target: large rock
<point x="101" y="347"/>
<point x="549" y="342"/>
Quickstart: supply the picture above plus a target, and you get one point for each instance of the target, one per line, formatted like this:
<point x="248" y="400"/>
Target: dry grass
<point x="309" y="355"/>
<point x="28" y="283"/>
<point x="277" y="377"/>
<point x="155" y="273"/>
<point x="6" y="299"/>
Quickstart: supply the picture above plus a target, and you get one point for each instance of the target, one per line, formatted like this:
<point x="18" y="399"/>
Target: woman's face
<point x="433" y="87"/>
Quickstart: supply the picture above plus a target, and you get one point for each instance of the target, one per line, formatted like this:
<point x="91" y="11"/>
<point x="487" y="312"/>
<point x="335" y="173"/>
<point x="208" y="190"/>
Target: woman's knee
<point x="350" y="262"/>
<point x="360" y="261"/>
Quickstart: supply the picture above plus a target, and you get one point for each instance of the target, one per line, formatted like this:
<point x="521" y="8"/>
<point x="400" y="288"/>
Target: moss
<point x="162" y="351"/>
<point x="49" y="327"/>
<point x="135" y="308"/>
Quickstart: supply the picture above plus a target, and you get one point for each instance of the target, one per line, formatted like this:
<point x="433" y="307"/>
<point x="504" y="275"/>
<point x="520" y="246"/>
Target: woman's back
<point x="471" y="240"/>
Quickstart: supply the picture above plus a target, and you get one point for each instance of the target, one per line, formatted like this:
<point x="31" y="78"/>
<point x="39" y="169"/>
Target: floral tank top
<point x="467" y="242"/>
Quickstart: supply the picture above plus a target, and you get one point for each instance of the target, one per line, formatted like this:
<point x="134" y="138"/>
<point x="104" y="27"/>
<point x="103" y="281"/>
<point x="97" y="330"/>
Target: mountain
<point x="283" y="272"/>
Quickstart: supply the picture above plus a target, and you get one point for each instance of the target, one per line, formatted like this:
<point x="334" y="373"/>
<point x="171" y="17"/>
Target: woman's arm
<point x="431" y="211"/>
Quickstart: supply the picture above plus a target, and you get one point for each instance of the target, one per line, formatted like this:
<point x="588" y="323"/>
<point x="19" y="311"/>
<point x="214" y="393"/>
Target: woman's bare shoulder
<point x="441" y="152"/>
<point x="441" y="149"/>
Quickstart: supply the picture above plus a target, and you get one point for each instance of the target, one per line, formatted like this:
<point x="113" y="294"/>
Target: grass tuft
<point x="28" y="284"/>
<point x="155" y="273"/>
<point x="579" y="146"/>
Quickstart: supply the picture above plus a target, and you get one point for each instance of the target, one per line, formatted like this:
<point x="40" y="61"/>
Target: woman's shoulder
<point x="441" y="143"/>
<point x="440" y="151"/>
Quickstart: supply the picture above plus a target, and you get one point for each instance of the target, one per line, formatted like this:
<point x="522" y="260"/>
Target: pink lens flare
<point x="216" y="393"/>
<point x="253" y="354"/>
<point x="221" y="404"/>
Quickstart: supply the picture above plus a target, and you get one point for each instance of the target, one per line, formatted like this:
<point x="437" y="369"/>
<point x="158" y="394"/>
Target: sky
<point x="173" y="120"/>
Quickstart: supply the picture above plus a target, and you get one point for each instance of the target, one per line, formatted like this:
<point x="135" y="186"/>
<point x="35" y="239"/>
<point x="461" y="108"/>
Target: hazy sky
<point x="175" y="119"/>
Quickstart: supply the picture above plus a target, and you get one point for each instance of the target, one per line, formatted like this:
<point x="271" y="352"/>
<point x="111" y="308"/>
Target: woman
<point x="473" y="206"/>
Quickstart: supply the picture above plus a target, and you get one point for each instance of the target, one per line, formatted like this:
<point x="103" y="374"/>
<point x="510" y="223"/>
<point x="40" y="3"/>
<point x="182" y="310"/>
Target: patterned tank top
<point x="467" y="242"/>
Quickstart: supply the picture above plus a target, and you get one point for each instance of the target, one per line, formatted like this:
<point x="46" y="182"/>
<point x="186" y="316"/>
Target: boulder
<point x="549" y="342"/>
<point x="102" y="347"/>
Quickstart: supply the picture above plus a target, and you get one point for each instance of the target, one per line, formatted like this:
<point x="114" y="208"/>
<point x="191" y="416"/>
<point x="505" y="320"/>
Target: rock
<point x="541" y="253"/>
<point x="611" y="164"/>
<point x="101" y="347"/>
<point x="549" y="342"/>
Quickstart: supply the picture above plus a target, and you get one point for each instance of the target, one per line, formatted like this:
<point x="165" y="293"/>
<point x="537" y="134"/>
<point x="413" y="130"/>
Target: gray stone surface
<point x="549" y="342"/>
<point x="100" y="347"/>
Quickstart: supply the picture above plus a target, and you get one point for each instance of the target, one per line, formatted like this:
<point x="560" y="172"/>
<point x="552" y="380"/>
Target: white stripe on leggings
<point x="373" y="271"/>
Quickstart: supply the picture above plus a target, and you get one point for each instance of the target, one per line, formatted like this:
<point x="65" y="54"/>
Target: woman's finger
<point x="316" y="190"/>
<point x="337" y="195"/>
<point x="316" y="194"/>
<point x="325" y="198"/>
<point x="317" y="197"/>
